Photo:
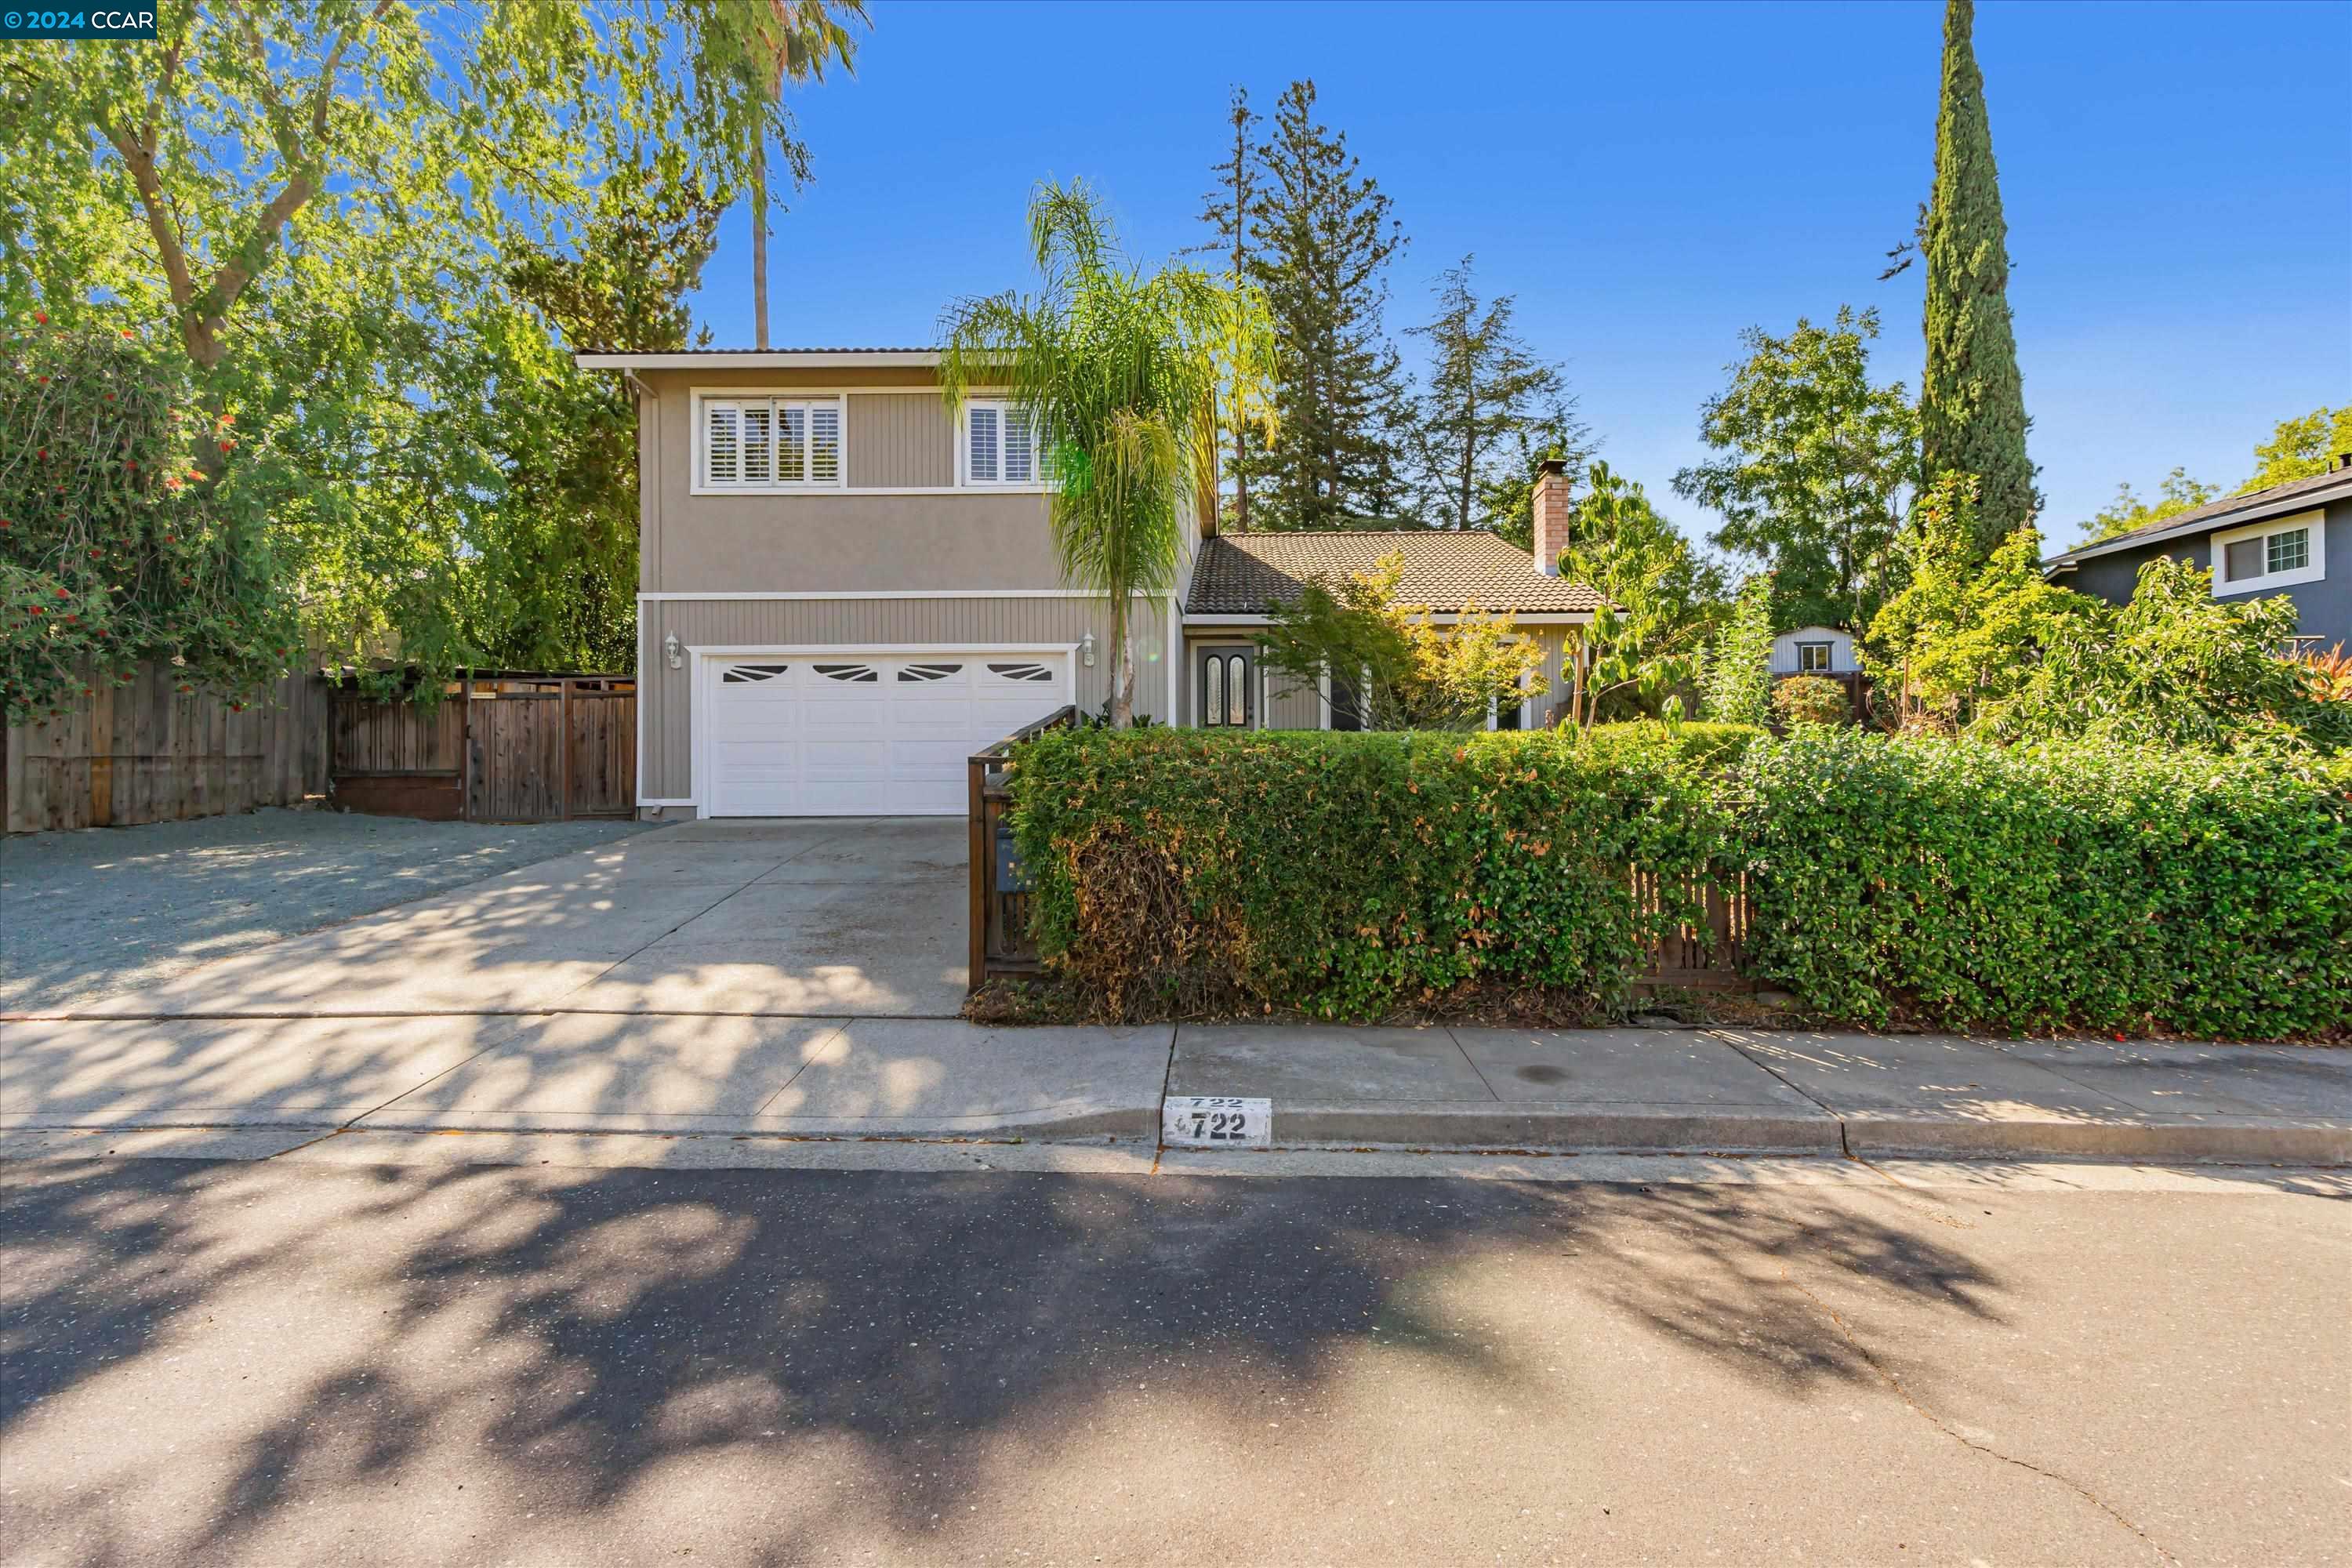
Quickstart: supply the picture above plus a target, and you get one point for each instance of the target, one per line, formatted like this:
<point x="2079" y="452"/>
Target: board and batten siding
<point x="900" y="440"/>
<point x="664" y="694"/>
<point x="1784" y="650"/>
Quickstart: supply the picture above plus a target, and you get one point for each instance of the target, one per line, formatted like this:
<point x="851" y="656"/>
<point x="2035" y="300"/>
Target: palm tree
<point x="782" y="41"/>
<point x="1116" y="369"/>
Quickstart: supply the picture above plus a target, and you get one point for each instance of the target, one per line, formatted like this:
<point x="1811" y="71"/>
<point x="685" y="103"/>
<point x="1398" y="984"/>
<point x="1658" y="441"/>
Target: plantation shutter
<point x="722" y="443"/>
<point x="792" y="443"/>
<point x="759" y="444"/>
<point x="825" y="443"/>
<point x="980" y="427"/>
<point x="1020" y="448"/>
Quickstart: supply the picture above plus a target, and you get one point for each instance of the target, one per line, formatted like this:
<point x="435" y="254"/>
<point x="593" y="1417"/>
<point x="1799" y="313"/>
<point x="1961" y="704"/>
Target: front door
<point x="1225" y="688"/>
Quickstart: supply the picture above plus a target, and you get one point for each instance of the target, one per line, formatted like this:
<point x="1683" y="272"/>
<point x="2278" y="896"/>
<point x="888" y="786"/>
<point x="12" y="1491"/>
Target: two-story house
<point x="846" y="589"/>
<point x="2278" y="540"/>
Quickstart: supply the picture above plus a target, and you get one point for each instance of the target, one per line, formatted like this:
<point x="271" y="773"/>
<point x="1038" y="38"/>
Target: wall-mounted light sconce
<point x="672" y="652"/>
<point x="1087" y="650"/>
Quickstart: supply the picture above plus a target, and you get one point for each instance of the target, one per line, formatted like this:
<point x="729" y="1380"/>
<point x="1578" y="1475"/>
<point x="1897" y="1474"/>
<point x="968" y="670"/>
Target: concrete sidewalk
<point x="800" y="1077"/>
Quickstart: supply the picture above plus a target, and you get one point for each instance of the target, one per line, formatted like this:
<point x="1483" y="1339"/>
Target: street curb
<point x="1605" y="1126"/>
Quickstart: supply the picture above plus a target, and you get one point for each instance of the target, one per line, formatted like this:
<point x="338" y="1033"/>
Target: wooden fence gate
<point x="496" y="747"/>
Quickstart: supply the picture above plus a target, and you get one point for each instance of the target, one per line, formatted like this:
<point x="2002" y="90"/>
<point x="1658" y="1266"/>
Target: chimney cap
<point x="2344" y="462"/>
<point x="1553" y="464"/>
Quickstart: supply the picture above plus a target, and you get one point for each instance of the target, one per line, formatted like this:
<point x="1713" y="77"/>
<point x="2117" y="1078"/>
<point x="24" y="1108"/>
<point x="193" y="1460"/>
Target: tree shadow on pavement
<point x="211" y="1361"/>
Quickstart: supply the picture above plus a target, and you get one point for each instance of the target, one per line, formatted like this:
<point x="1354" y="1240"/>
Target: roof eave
<point x="775" y="359"/>
<point x="2312" y="499"/>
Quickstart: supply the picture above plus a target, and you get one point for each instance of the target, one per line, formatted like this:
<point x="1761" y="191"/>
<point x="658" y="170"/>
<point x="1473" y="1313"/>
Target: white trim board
<point x="2313" y="570"/>
<point x="766" y="358"/>
<point x="1225" y="623"/>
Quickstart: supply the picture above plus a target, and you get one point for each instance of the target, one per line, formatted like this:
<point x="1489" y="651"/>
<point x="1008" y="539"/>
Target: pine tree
<point x="1321" y="237"/>
<point x="1488" y="394"/>
<point x="1231" y="211"/>
<point x="1971" y="402"/>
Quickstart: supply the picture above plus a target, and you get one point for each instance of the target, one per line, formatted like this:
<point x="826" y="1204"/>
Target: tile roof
<point x="2291" y="496"/>
<point x="1236" y="573"/>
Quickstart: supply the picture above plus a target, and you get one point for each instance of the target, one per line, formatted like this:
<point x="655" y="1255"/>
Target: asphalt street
<point x="280" y="1362"/>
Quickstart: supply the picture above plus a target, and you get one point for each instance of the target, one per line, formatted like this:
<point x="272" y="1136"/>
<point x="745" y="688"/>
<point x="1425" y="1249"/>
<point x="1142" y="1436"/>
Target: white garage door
<point x="865" y="735"/>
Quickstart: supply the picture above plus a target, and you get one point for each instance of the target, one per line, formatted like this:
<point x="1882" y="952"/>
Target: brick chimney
<point x="1551" y="531"/>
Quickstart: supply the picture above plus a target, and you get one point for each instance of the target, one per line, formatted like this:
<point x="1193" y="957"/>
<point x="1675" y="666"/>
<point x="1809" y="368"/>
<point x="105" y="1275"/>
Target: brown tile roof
<point x="1236" y="573"/>
<point x="2314" y="489"/>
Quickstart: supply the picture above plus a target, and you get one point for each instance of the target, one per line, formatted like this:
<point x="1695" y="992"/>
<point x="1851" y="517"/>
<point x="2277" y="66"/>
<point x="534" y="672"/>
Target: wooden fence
<point x="147" y="751"/>
<point x="496" y="747"/>
<point x="998" y="923"/>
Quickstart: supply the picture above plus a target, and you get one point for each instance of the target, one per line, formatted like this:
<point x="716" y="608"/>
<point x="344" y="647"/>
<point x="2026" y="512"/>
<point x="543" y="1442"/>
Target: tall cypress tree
<point x="1321" y="237"/>
<point x="1971" y="401"/>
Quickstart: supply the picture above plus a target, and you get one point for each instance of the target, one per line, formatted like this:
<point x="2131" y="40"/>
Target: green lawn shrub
<point x="1948" y="883"/>
<point x="1346" y="875"/>
<point x="2140" y="890"/>
<point x="1811" y="699"/>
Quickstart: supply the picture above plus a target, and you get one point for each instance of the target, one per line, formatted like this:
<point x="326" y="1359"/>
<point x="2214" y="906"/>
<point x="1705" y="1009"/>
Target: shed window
<point x="1813" y="657"/>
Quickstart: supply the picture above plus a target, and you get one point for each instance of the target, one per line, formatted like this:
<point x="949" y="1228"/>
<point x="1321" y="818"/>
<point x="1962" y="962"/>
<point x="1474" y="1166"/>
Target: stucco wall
<point x="664" y="695"/>
<point x="2323" y="609"/>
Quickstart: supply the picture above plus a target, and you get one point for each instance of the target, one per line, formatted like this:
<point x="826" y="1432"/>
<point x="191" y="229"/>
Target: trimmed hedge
<point x="1961" y="884"/>
<point x="1949" y="883"/>
<point x="1346" y="875"/>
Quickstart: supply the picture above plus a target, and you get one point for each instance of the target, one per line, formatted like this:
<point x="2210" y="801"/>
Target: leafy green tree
<point x="1115" y="368"/>
<point x="1971" y="399"/>
<point x="1735" y="674"/>
<point x="1815" y="462"/>
<point x="114" y="547"/>
<point x="2127" y="511"/>
<point x="1486" y="395"/>
<point x="554" y="581"/>
<point x="1640" y="646"/>
<point x="2175" y="668"/>
<point x="2299" y="448"/>
<point x="1321" y="236"/>
<point x="317" y="204"/>
<point x="1965" y="634"/>
<point x="1404" y="670"/>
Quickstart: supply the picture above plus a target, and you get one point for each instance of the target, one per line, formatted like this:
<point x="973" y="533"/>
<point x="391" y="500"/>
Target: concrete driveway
<point x="849" y="918"/>
<point x="782" y="977"/>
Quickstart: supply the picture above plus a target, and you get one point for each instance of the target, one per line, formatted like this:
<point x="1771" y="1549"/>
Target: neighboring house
<point x="1814" y="650"/>
<point x="2294" y="539"/>
<point x="846" y="589"/>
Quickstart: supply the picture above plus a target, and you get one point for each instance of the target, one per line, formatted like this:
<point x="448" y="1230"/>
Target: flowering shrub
<point x="121" y="537"/>
<point x="1811" y="699"/>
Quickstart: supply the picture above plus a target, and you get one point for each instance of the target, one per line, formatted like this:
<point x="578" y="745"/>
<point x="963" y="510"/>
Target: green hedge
<point x="1346" y="875"/>
<point x="1949" y="883"/>
<point x="2051" y="888"/>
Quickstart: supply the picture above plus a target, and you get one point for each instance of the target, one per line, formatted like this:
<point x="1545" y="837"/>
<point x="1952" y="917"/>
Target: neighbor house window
<point x="1000" y="444"/>
<point x="1813" y="658"/>
<point x="2270" y="555"/>
<point x="771" y="443"/>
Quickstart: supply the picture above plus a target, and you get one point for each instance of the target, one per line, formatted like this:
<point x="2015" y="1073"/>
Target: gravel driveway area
<point x="91" y="914"/>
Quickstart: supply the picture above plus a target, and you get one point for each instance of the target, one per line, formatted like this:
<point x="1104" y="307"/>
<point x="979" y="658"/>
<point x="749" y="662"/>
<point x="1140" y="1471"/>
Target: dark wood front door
<point x="1225" y="688"/>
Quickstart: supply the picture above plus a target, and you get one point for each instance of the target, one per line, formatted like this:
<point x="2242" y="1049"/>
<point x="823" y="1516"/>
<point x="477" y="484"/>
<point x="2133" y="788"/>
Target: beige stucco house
<point x="846" y="588"/>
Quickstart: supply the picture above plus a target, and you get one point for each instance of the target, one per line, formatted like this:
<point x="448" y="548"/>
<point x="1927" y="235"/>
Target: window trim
<point x="2313" y="570"/>
<point x="1829" y="657"/>
<point x="699" y="405"/>
<point x="1034" y="485"/>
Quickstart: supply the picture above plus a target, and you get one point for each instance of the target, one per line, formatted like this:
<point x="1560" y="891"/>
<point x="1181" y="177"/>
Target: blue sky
<point x="1649" y="180"/>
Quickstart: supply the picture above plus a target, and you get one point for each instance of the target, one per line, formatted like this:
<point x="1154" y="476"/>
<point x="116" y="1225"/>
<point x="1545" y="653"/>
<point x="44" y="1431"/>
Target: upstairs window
<point x="1000" y="444"/>
<point x="771" y="443"/>
<point x="2270" y="555"/>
